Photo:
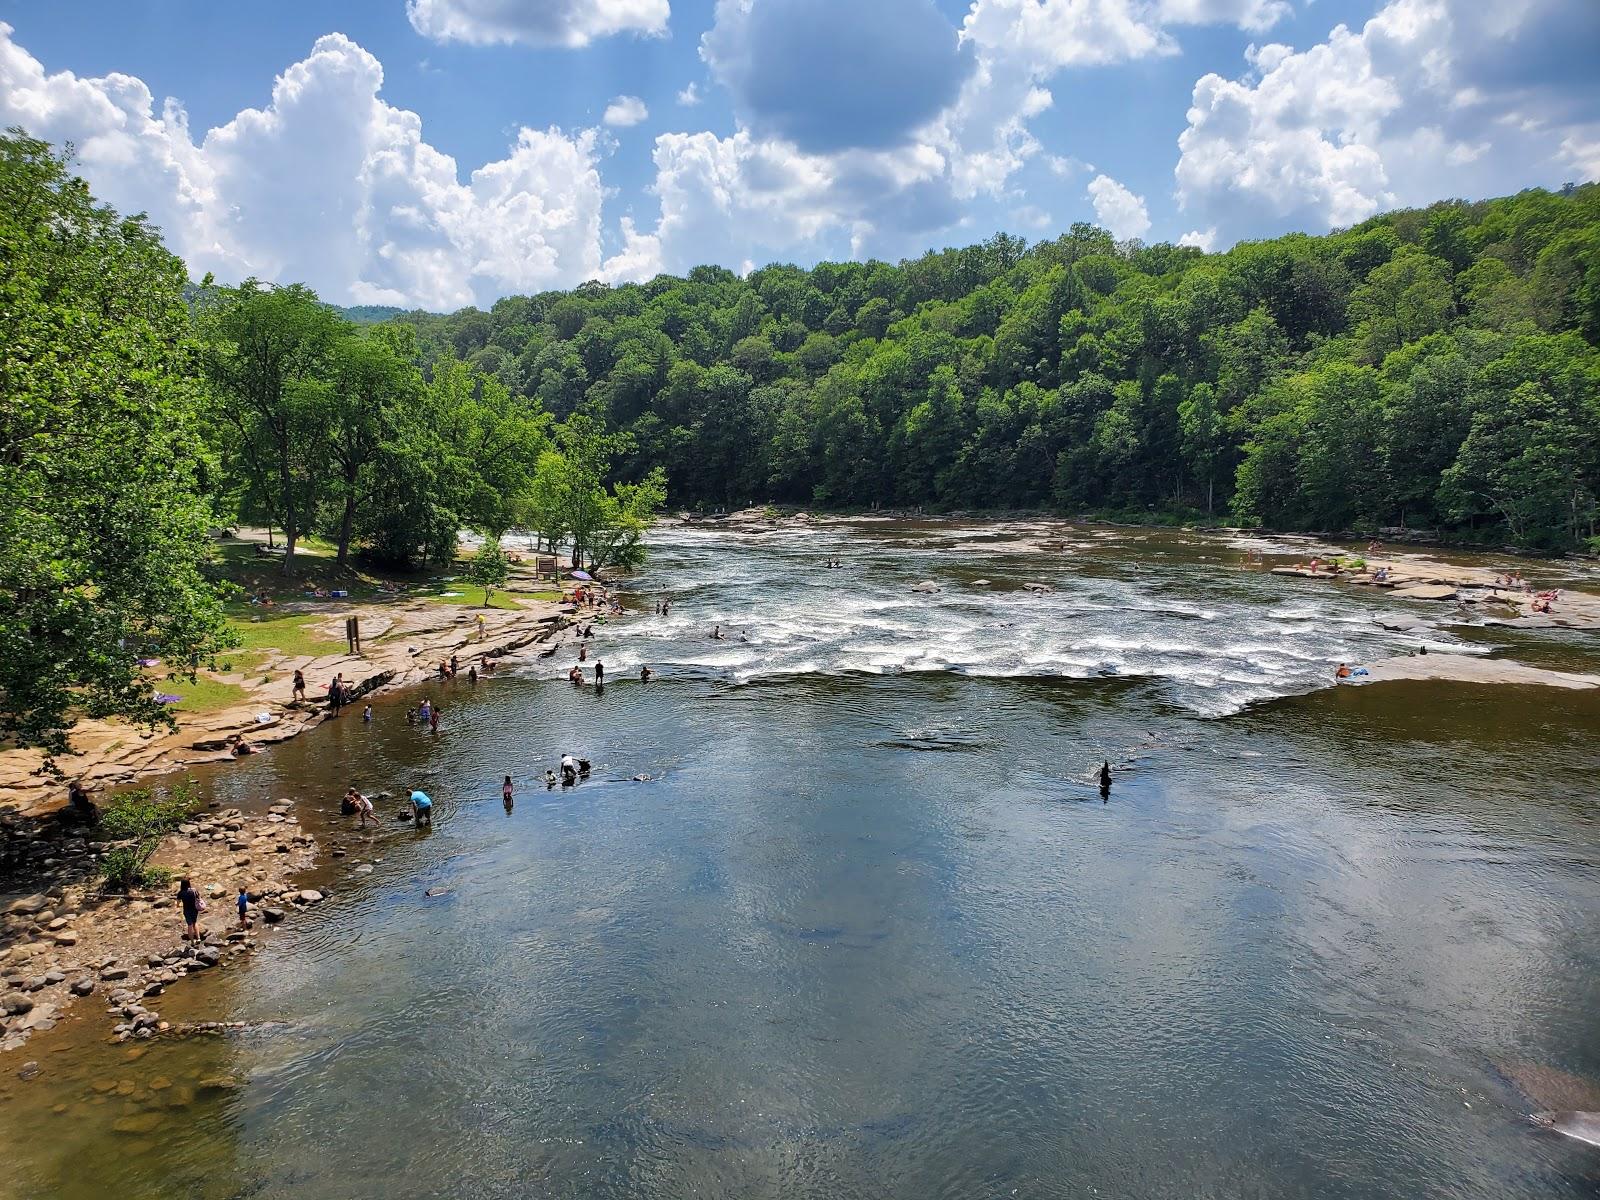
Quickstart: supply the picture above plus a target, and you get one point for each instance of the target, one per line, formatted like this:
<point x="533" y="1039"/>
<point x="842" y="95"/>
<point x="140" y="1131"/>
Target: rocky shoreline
<point x="402" y="644"/>
<point x="67" y="941"/>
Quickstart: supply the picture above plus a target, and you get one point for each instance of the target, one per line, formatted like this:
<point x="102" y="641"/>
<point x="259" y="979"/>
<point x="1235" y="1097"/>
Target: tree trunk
<point x="347" y="524"/>
<point x="1210" y="485"/>
<point x="290" y="537"/>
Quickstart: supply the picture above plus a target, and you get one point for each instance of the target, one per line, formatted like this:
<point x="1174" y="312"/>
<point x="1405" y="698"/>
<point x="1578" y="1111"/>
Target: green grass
<point x="291" y="635"/>
<point x="204" y="694"/>
<point x="470" y="596"/>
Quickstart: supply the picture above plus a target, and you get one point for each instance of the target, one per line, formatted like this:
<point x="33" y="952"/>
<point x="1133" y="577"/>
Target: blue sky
<point x="444" y="152"/>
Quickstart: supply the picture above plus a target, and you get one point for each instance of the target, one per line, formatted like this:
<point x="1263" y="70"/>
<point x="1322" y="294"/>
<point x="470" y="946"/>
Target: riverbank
<point x="402" y="642"/>
<point x="65" y="941"/>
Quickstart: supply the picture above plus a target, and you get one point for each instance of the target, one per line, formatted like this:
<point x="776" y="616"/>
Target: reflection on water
<point x="868" y="934"/>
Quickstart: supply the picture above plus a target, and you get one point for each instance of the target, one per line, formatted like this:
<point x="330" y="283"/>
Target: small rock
<point x="110" y="973"/>
<point x="310" y="896"/>
<point x="15" y="1003"/>
<point x="28" y="906"/>
<point x="145" y="1122"/>
<point x="81" y="986"/>
<point x="272" y="915"/>
<point x="29" y="1070"/>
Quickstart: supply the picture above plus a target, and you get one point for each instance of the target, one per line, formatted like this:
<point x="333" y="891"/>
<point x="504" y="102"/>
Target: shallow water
<point x="869" y="930"/>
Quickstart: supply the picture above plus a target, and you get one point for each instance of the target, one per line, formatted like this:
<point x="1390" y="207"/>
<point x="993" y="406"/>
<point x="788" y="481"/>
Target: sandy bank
<point x="403" y="642"/>
<point x="1466" y="668"/>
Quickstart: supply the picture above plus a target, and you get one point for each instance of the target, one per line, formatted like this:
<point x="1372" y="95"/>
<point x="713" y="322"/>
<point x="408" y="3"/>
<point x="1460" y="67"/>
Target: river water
<point x="868" y="928"/>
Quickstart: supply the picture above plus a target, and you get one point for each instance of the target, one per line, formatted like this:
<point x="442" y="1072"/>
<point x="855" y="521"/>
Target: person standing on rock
<point x="299" y="692"/>
<point x="190" y="899"/>
<point x="244" y="908"/>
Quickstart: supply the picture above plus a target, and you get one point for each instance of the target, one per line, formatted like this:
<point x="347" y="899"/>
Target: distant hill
<point x="368" y="314"/>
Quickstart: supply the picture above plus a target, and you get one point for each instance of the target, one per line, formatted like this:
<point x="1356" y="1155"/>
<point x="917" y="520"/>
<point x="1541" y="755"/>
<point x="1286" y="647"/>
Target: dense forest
<point x="1434" y="369"/>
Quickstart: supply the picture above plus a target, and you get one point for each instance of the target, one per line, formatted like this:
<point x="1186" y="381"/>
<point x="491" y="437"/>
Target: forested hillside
<point x="1432" y="368"/>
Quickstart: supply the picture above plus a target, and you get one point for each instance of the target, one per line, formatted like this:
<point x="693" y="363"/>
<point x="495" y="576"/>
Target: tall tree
<point x="268" y="359"/>
<point x="103" y="532"/>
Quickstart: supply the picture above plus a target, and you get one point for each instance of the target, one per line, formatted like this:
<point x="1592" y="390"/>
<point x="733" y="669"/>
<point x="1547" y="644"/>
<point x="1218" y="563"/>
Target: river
<point x="868" y="928"/>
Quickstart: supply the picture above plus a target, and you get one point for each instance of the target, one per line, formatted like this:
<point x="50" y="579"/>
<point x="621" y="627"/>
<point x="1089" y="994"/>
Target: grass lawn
<point x="290" y="634"/>
<point x="204" y="694"/>
<point x="469" y="596"/>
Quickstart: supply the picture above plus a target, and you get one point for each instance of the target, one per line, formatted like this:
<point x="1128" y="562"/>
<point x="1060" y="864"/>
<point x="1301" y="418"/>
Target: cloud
<point x="1255" y="16"/>
<point x="1118" y="209"/>
<point x="327" y="184"/>
<point x="535" y="22"/>
<point x="1043" y="36"/>
<point x="1200" y="239"/>
<point x="690" y="96"/>
<point x="1428" y="99"/>
<point x="835" y="74"/>
<point x="625" y="111"/>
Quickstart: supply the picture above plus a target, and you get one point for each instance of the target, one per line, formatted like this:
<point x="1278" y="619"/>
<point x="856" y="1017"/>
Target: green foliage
<point x="103" y="531"/>
<point x="139" y="820"/>
<point x="1305" y="382"/>
<point x="489" y="568"/>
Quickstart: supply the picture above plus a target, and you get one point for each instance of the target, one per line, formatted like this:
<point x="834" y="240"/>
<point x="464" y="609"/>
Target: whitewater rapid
<point x="1179" y="610"/>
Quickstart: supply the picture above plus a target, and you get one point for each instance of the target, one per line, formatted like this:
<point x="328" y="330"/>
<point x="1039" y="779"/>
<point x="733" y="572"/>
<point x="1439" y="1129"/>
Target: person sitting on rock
<point x="80" y="807"/>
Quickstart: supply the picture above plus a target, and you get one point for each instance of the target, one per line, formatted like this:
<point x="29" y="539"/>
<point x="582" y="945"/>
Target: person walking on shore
<point x="190" y="899"/>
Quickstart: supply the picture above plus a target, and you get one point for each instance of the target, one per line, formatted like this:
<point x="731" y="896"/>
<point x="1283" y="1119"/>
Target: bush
<point x="140" y="819"/>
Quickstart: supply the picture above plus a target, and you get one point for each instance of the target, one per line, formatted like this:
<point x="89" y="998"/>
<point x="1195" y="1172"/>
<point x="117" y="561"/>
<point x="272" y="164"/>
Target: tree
<point x="373" y="386"/>
<point x="268" y="360"/>
<point x="1200" y="427"/>
<point x="489" y="568"/>
<point x="103" y="529"/>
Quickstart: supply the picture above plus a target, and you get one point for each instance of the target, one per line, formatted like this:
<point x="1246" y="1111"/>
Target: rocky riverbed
<point x="65" y="940"/>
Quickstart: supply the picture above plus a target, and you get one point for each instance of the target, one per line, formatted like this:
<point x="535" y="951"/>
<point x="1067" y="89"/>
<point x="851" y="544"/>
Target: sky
<point x="440" y="153"/>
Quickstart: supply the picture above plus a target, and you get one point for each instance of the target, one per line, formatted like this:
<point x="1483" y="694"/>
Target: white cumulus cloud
<point x="690" y="96"/>
<point x="1427" y="100"/>
<point x="535" y="22"/>
<point x="326" y="184"/>
<point x="1118" y="209"/>
<point x="625" y="111"/>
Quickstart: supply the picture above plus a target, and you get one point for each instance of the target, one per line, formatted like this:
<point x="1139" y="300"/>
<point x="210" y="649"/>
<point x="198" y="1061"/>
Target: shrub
<point x="139" y="820"/>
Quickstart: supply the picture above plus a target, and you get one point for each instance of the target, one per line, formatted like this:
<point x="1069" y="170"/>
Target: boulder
<point x="15" y="1003"/>
<point x="82" y="986"/>
<point x="310" y="896"/>
<point x="28" y="906"/>
<point x="926" y="586"/>
<point x="272" y="915"/>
